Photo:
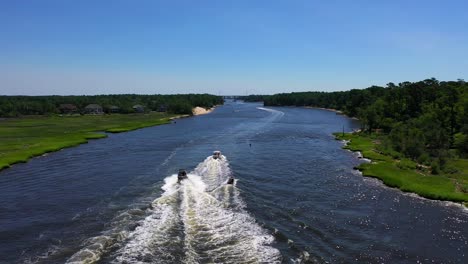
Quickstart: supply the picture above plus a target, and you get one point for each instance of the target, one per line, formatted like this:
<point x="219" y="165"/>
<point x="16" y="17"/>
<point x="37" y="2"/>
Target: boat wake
<point x="199" y="220"/>
<point x="276" y="114"/>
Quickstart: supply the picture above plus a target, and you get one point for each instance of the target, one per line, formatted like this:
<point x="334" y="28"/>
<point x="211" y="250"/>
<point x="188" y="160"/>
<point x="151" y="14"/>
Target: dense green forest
<point x="12" y="106"/>
<point x="253" y="98"/>
<point x="426" y="121"/>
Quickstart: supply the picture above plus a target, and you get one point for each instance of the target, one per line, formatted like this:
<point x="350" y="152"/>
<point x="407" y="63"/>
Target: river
<point x="296" y="198"/>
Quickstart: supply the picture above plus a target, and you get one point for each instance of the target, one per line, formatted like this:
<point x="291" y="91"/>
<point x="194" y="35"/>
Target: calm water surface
<point x="296" y="198"/>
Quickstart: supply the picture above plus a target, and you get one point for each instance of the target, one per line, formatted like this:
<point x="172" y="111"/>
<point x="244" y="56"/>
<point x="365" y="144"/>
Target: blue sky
<point x="227" y="47"/>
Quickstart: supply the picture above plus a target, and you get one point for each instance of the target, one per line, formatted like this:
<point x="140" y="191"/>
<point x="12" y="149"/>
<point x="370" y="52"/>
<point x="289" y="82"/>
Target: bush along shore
<point x="426" y="121"/>
<point x="405" y="174"/>
<point x="24" y="138"/>
<point x="416" y="133"/>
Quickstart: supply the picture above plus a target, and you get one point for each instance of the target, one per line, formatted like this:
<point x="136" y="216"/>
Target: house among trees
<point x="139" y="108"/>
<point x="93" y="109"/>
<point x="114" y="109"/>
<point x="162" y="108"/>
<point x="68" y="108"/>
<point x="12" y="106"/>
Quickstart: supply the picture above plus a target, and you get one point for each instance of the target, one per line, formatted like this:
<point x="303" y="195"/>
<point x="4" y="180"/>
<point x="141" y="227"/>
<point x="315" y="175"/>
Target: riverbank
<point x="338" y="112"/>
<point x="327" y="109"/>
<point x="407" y="175"/>
<point x="24" y="138"/>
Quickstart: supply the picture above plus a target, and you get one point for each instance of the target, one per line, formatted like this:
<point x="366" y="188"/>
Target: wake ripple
<point x="200" y="220"/>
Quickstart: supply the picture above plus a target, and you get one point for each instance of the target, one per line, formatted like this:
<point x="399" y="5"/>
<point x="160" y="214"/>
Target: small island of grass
<point x="396" y="171"/>
<point x="24" y="138"/>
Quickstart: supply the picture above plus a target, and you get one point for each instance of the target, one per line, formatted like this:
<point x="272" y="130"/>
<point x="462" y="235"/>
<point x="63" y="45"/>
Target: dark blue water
<point x="296" y="198"/>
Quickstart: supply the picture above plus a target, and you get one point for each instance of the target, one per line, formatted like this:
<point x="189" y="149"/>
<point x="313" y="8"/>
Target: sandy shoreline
<point x="179" y="116"/>
<point x="202" y="111"/>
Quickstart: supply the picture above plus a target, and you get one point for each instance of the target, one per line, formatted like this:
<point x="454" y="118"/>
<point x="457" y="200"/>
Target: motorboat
<point x="216" y="154"/>
<point x="230" y="180"/>
<point x="182" y="175"/>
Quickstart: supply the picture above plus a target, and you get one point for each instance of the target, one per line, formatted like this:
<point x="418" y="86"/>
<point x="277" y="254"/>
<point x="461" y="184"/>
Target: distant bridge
<point x="231" y="96"/>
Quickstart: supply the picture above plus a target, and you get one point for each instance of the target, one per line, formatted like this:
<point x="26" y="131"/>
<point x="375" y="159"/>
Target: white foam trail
<point x="96" y="247"/>
<point x="192" y="225"/>
<point x="199" y="220"/>
<point x="214" y="172"/>
<point x="269" y="110"/>
<point x="276" y="114"/>
<point x="215" y="234"/>
<point x="158" y="232"/>
<point x="304" y="257"/>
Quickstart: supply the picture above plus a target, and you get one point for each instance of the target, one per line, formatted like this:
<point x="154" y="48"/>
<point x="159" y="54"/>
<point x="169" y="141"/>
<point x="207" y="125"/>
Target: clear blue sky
<point x="227" y="47"/>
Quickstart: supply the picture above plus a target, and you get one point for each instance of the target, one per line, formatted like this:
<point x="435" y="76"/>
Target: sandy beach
<point x="201" y="111"/>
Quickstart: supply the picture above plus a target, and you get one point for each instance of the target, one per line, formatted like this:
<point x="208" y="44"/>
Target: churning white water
<point x="199" y="220"/>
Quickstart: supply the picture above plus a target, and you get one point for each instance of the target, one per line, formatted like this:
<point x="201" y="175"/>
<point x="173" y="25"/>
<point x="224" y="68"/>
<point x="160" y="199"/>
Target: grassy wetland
<point x="407" y="175"/>
<point x="24" y="138"/>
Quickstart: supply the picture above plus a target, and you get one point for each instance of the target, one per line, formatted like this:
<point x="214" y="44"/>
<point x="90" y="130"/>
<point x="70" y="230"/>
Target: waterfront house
<point x="68" y="108"/>
<point x="114" y="109"/>
<point x="139" y="108"/>
<point x="162" y="108"/>
<point x="93" y="109"/>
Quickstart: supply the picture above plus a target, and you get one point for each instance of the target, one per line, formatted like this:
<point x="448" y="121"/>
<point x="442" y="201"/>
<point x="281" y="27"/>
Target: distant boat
<point x="181" y="176"/>
<point x="217" y="154"/>
<point x="231" y="180"/>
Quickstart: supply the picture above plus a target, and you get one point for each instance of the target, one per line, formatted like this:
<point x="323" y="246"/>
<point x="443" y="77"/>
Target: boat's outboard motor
<point x="231" y="180"/>
<point x="182" y="175"/>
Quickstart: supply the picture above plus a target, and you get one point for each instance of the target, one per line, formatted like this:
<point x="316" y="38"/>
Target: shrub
<point x="424" y="159"/>
<point x="435" y="167"/>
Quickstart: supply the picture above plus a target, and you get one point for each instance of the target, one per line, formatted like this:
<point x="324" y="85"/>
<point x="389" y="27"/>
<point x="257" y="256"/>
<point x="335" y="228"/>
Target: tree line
<point x="426" y="121"/>
<point x="14" y="106"/>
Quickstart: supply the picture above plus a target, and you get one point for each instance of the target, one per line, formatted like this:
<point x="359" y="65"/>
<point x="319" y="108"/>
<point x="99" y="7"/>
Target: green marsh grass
<point x="24" y="138"/>
<point x="403" y="173"/>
